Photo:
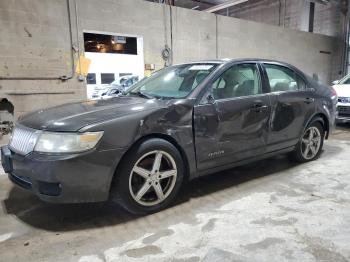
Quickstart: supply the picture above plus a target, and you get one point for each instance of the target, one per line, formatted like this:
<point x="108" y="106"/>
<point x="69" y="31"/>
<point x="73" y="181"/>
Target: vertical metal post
<point x="216" y="37"/>
<point x="347" y="35"/>
<point x="311" y="17"/>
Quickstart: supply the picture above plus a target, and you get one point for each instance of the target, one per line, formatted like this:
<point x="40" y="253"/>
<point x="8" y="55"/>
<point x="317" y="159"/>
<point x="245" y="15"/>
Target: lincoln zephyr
<point x="180" y="123"/>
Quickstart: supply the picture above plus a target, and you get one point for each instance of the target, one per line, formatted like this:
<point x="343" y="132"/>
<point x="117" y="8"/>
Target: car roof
<point x="238" y="60"/>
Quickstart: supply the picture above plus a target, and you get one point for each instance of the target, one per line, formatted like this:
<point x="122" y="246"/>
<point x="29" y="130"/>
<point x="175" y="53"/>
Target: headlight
<point x="50" y="142"/>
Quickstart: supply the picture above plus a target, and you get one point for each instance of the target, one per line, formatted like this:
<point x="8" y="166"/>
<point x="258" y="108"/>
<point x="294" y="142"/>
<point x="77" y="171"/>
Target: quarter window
<point x="301" y="83"/>
<point x="239" y="80"/>
<point x="283" y="79"/>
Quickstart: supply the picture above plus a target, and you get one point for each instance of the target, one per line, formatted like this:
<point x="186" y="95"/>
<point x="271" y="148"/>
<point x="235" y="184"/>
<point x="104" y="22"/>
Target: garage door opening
<point x="100" y="43"/>
<point x="114" y="58"/>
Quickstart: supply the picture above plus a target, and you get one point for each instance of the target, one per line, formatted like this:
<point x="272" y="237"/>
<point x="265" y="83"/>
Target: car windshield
<point x="345" y="80"/>
<point x="172" y="82"/>
<point x="116" y="82"/>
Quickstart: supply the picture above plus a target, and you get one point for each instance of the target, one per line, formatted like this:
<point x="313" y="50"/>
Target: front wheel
<point x="310" y="144"/>
<point x="149" y="177"/>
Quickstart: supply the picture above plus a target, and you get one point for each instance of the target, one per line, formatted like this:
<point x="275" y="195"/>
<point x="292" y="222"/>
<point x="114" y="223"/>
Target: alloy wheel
<point x="311" y="142"/>
<point x="153" y="178"/>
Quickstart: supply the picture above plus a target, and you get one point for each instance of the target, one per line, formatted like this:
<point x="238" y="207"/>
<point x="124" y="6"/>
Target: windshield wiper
<point x="142" y="94"/>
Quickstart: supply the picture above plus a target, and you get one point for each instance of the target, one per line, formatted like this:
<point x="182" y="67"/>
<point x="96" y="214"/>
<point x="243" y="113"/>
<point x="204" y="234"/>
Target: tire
<point x="139" y="179"/>
<point x="299" y="154"/>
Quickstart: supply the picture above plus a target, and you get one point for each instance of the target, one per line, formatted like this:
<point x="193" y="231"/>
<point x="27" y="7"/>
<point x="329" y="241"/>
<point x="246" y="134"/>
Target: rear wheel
<point x="310" y="144"/>
<point x="149" y="177"/>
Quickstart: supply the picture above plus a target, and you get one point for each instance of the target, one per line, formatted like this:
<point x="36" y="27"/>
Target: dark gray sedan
<point x="182" y="122"/>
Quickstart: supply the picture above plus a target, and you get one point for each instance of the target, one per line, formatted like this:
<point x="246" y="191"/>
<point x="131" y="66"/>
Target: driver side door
<point x="231" y="122"/>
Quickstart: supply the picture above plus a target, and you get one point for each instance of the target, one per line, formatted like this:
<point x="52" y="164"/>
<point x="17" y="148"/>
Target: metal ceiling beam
<point x="224" y="5"/>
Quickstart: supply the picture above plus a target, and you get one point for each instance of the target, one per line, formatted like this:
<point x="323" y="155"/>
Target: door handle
<point x="259" y="107"/>
<point x="309" y="100"/>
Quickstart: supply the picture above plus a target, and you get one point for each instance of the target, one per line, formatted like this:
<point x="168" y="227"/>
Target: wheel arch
<point x="322" y="118"/>
<point x="167" y="138"/>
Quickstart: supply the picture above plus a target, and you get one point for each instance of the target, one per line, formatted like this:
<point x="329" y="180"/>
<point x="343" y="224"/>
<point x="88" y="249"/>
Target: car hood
<point x="74" y="116"/>
<point x="342" y="90"/>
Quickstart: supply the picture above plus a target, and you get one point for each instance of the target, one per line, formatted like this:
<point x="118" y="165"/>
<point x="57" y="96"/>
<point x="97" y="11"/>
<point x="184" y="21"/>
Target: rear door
<point x="231" y="122"/>
<point x="292" y="105"/>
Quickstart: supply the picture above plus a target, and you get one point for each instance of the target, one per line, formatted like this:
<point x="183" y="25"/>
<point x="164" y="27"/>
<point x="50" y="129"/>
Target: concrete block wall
<point x="34" y="41"/>
<point x="239" y="38"/>
<point x="263" y="11"/>
<point x="219" y="36"/>
<point x="327" y="19"/>
<point x="272" y="12"/>
<point x="289" y="14"/>
<point x="194" y="35"/>
<point x="132" y="17"/>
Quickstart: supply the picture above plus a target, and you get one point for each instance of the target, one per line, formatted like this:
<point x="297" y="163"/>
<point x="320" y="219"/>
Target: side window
<point x="239" y="80"/>
<point x="283" y="79"/>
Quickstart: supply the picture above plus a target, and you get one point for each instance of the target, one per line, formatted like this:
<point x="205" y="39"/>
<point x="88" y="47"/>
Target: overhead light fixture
<point x="323" y="2"/>
<point x="224" y="5"/>
<point x="194" y="8"/>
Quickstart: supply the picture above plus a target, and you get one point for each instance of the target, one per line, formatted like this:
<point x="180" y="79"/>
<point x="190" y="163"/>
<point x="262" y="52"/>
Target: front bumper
<point x="72" y="178"/>
<point x="342" y="119"/>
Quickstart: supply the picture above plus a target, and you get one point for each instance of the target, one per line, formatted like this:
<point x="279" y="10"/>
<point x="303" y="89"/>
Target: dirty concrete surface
<point x="272" y="210"/>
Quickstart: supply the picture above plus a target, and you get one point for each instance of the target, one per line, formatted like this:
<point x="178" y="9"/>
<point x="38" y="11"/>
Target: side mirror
<point x="335" y="82"/>
<point x="210" y="99"/>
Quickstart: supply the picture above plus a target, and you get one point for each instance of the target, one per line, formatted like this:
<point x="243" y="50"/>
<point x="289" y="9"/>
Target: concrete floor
<point x="272" y="210"/>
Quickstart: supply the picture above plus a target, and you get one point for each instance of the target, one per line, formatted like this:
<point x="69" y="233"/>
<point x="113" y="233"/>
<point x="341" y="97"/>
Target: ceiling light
<point x="224" y="5"/>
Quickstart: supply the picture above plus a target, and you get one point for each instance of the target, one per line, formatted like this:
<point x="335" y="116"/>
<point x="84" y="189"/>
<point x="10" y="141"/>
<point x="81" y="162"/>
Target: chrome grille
<point x="343" y="110"/>
<point x="23" y="140"/>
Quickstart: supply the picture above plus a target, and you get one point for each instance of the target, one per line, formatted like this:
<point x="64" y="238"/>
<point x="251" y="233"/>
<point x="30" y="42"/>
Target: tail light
<point x="334" y="93"/>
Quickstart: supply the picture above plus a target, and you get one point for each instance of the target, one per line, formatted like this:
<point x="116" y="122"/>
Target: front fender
<point x="173" y="120"/>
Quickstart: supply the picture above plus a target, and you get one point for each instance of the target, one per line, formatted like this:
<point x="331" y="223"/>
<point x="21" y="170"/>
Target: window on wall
<point x="283" y="79"/>
<point x="101" y="43"/>
<point x="91" y="79"/>
<point x="107" y="78"/>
